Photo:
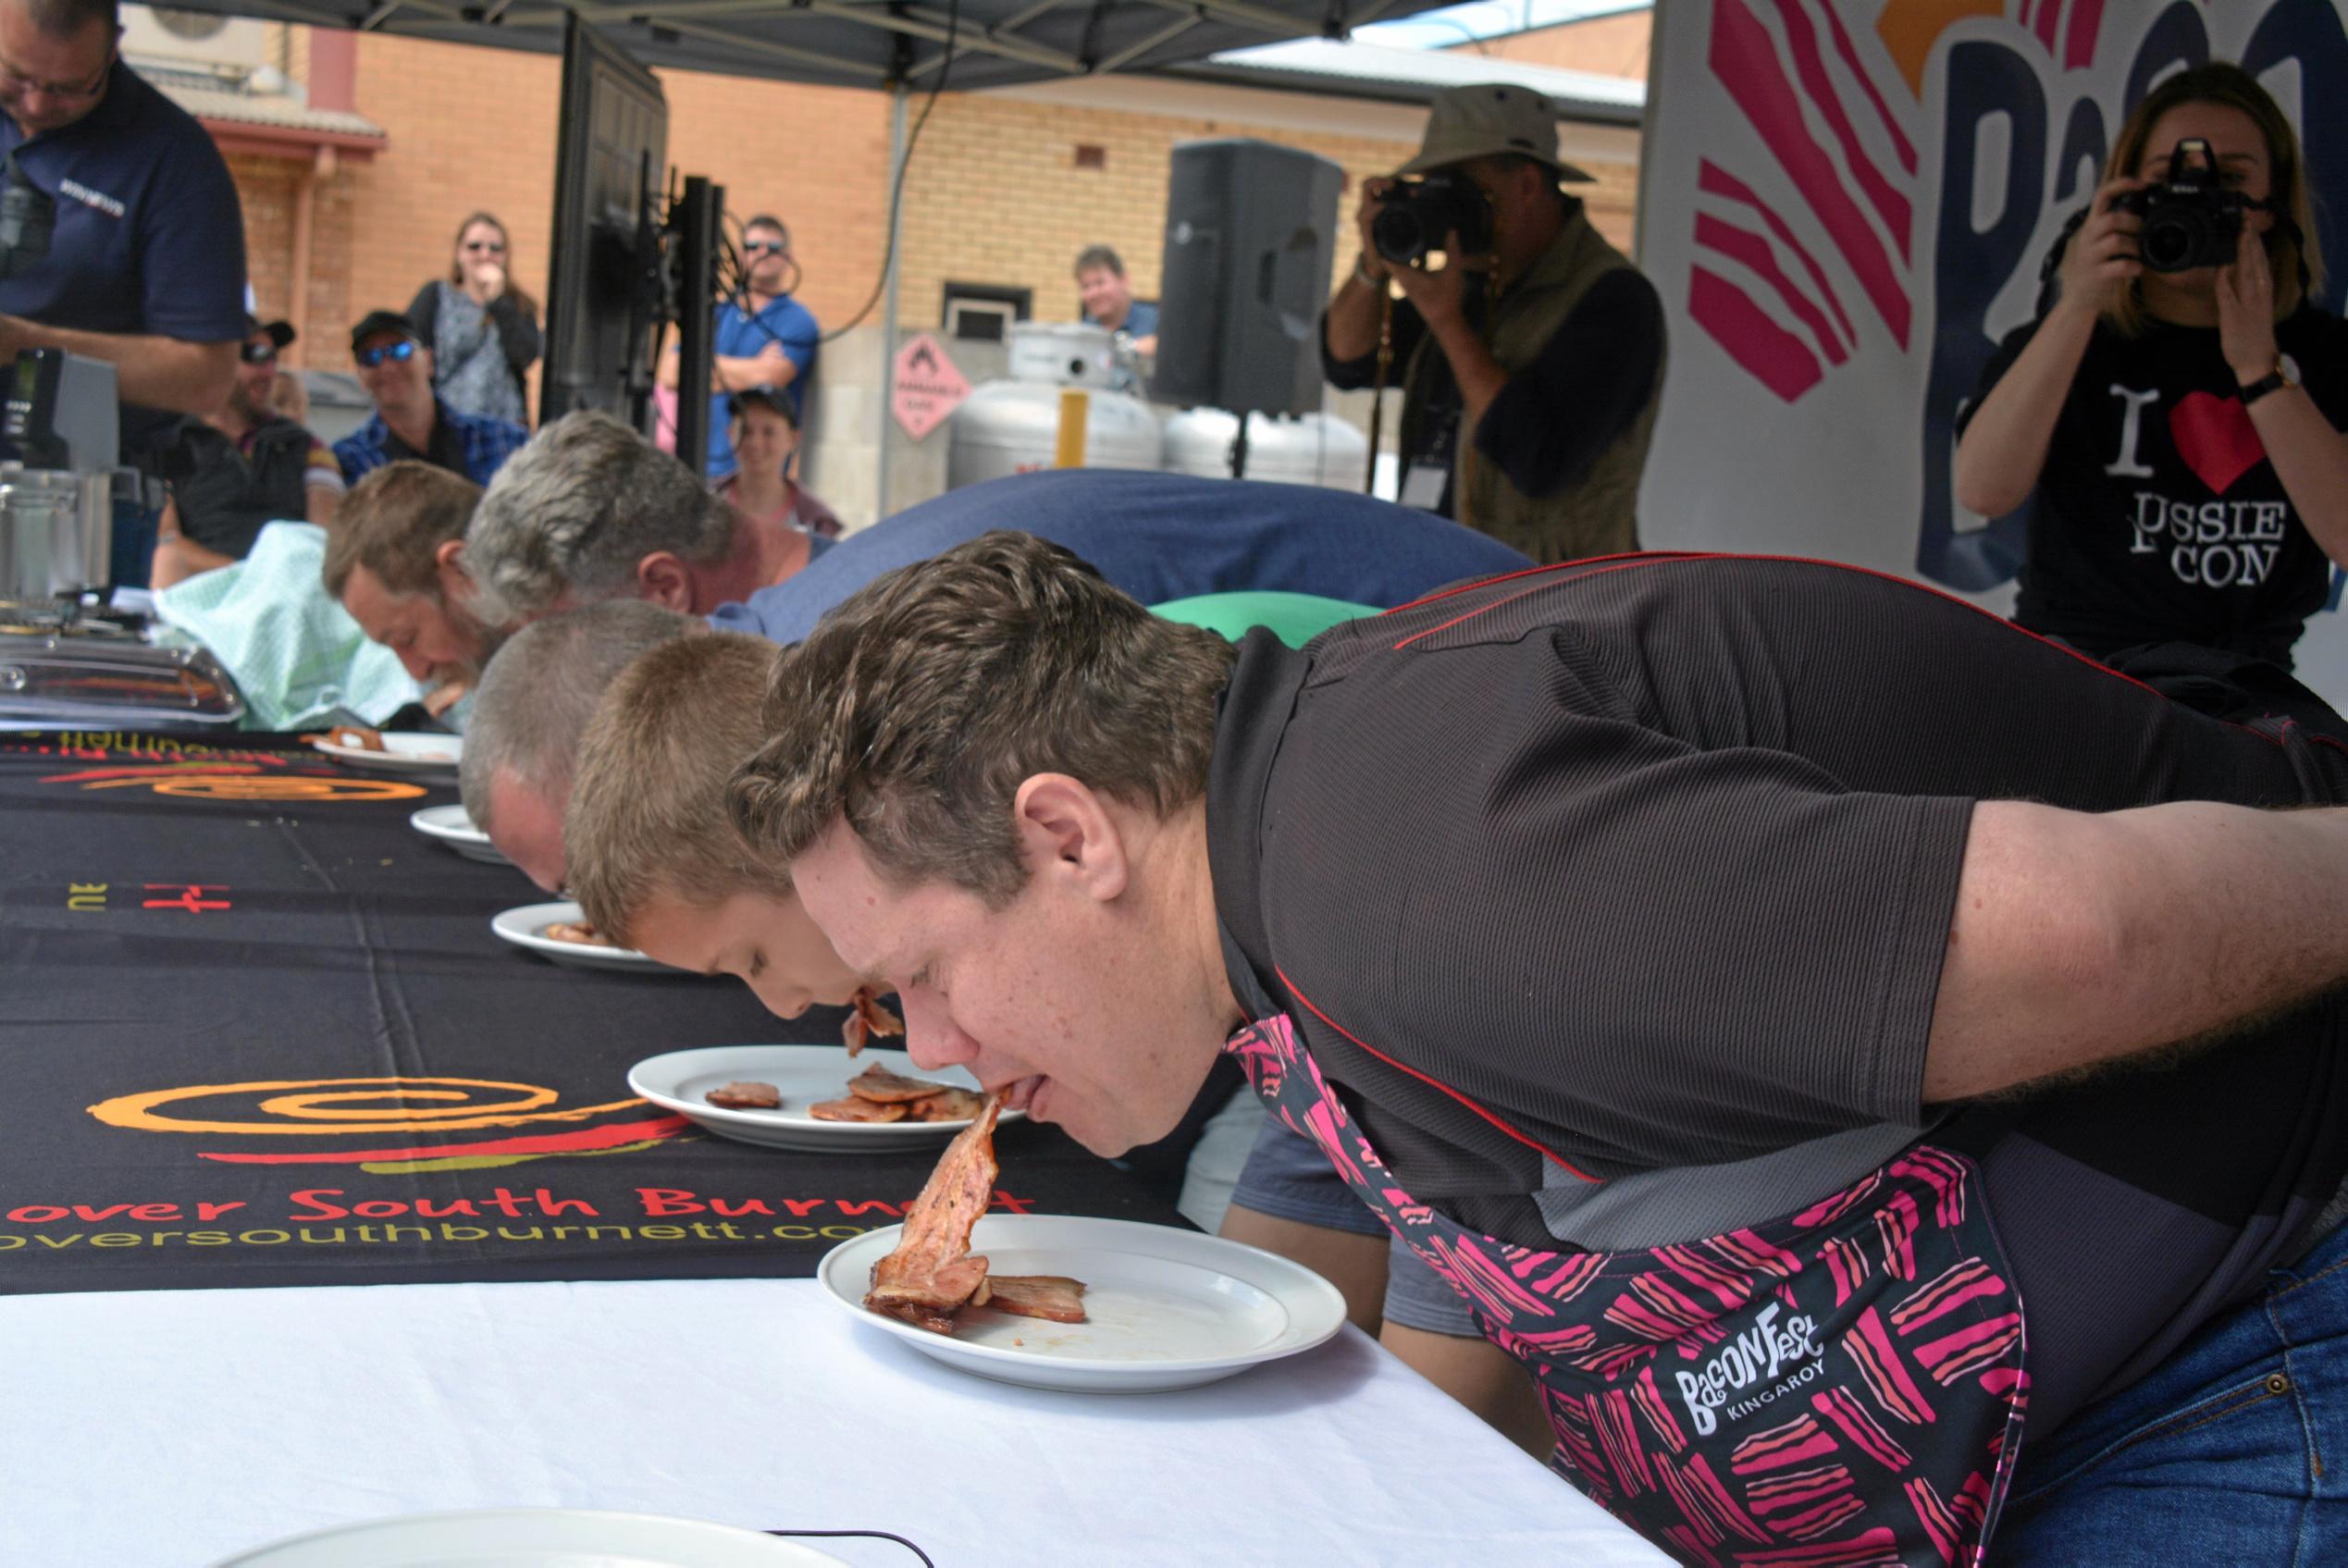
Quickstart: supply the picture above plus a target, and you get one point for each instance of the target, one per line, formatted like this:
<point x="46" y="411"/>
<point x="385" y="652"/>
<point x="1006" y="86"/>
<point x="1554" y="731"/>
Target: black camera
<point x="1415" y="214"/>
<point x="2192" y="219"/>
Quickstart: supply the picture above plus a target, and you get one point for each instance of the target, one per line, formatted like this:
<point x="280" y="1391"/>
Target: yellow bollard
<point x="1075" y="405"/>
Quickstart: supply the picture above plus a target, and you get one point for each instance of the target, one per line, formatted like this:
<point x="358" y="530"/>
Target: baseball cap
<point x="1486" y="121"/>
<point x="280" y="332"/>
<point x="774" y="397"/>
<point x="375" y="323"/>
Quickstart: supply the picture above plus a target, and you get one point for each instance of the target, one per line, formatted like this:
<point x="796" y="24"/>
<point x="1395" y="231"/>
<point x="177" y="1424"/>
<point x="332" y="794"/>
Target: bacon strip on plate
<point x="877" y="1083"/>
<point x="1052" y="1296"/>
<point x="854" y="1109"/>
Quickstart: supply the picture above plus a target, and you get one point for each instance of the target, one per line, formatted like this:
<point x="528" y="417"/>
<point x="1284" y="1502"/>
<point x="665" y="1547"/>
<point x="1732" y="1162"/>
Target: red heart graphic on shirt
<point x="2215" y="439"/>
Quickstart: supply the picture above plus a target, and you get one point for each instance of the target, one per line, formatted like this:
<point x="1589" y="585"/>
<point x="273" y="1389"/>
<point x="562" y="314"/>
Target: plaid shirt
<point x="483" y="444"/>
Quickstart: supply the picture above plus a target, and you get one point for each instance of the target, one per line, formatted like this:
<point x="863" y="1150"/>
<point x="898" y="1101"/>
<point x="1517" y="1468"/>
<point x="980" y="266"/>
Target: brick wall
<point x="1615" y="45"/>
<point x="994" y="194"/>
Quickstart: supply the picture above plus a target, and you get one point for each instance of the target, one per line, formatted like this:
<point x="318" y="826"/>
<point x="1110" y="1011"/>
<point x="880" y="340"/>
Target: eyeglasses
<point x="765" y="247"/>
<point x="494" y="247"/>
<point x="14" y="83"/>
<point x="372" y="357"/>
<point x="262" y="352"/>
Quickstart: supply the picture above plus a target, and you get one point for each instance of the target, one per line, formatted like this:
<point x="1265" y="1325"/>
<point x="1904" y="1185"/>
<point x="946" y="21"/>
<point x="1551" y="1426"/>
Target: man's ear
<point x="448" y="567"/>
<point x="663" y="579"/>
<point x="1066" y="833"/>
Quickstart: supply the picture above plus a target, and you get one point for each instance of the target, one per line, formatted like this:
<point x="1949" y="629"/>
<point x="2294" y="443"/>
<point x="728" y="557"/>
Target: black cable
<point x="872" y="1534"/>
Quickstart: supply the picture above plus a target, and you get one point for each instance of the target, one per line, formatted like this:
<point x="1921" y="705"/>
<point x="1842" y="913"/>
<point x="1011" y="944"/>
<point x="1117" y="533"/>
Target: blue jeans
<point x="2234" y="1451"/>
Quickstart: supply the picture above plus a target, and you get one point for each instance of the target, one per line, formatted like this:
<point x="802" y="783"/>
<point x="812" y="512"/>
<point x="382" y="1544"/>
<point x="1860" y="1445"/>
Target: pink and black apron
<point x="1842" y="1388"/>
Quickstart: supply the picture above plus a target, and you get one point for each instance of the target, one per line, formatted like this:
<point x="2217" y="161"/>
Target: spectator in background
<point x="482" y="331"/>
<point x="1109" y="302"/>
<point x="393" y="560"/>
<point x="240" y="469"/>
<point x="1530" y="373"/>
<point x="410" y="420"/>
<point x="142" y="263"/>
<point x="765" y="433"/>
<point x="765" y="339"/>
<point x="290" y="396"/>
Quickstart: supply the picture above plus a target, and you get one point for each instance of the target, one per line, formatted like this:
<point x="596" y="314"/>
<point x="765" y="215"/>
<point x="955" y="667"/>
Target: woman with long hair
<point x="482" y="329"/>
<point x="2174" y="417"/>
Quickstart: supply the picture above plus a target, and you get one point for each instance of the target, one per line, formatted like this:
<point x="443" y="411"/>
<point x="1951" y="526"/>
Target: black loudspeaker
<point x="1251" y="228"/>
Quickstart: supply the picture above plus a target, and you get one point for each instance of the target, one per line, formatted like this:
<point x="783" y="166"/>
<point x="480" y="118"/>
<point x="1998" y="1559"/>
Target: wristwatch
<point x="2274" y="380"/>
<point x="1362" y="273"/>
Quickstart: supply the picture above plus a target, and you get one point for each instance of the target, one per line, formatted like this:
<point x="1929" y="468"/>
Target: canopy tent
<point x="872" y="44"/>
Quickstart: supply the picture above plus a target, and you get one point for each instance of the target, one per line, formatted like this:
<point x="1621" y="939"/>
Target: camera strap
<point x="1378" y="387"/>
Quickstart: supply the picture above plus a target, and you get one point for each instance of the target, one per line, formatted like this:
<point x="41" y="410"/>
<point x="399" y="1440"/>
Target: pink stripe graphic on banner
<point x="2079" y="44"/>
<point x="1900" y="143"/>
<point x="1803" y="38"/>
<point x="2049" y="16"/>
<point x="1745" y="59"/>
<point x="1744" y="245"/>
<point x="1774" y="357"/>
<point x="1718" y="181"/>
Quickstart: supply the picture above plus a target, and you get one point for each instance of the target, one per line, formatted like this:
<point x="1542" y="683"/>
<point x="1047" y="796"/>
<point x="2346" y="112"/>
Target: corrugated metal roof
<point x="1415" y="75"/>
<point x="212" y="97"/>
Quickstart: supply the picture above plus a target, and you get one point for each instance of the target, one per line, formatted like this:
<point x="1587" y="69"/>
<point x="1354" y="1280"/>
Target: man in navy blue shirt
<point x="770" y="343"/>
<point x="410" y="420"/>
<point x="1157" y="536"/>
<point x="1108" y="297"/>
<point x="128" y="242"/>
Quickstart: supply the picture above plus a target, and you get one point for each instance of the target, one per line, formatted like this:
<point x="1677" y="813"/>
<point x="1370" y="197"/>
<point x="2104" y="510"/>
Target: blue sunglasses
<point x="376" y="355"/>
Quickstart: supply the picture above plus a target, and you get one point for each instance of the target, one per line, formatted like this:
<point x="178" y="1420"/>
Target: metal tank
<point x="1312" y="449"/>
<point x="1012" y="426"/>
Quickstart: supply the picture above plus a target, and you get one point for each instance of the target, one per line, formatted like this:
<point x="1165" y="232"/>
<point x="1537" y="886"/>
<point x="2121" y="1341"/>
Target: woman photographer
<point x="2176" y="430"/>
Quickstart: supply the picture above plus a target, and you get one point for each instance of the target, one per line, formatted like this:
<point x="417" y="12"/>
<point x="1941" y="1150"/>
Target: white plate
<point x="532" y="1537"/>
<point x="452" y="827"/>
<point x="404" y="751"/>
<point x="804" y="1074"/>
<point x="523" y="926"/>
<point x="1168" y="1308"/>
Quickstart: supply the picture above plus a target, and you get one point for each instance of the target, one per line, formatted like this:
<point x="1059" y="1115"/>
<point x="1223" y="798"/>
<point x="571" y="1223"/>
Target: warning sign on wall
<point x="926" y="385"/>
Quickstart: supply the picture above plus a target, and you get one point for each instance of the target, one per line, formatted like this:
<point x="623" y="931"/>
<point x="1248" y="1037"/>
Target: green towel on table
<point x="296" y="654"/>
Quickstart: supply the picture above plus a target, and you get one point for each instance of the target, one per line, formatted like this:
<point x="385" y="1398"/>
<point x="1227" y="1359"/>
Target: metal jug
<point x="57" y="531"/>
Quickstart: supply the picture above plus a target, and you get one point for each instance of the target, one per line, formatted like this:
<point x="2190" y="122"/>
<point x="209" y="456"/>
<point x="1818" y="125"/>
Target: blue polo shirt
<point x="1158" y="537"/>
<point x="741" y="336"/>
<point x="149" y="236"/>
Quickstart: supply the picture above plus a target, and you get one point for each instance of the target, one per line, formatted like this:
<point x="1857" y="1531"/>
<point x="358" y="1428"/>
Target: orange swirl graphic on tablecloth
<point x="240" y="781"/>
<point x="319" y="1106"/>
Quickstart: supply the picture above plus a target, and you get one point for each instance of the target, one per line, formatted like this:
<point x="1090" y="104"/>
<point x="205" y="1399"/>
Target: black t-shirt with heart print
<point x="2158" y="517"/>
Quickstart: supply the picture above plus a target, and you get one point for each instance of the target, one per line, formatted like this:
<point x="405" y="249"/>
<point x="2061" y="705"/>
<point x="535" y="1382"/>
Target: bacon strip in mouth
<point x="868" y="1020"/>
<point x="932" y="1272"/>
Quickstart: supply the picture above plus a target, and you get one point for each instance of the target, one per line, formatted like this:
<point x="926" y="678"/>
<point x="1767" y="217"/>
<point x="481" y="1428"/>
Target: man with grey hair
<point x="591" y="510"/>
<point x="522" y="744"/>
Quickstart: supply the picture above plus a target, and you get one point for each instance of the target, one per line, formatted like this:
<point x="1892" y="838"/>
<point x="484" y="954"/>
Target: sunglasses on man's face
<point x="372" y="357"/>
<point x="261" y="353"/>
<point x="764" y="247"/>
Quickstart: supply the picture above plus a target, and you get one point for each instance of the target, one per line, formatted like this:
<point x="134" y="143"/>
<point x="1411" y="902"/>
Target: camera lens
<point x="2168" y="241"/>
<point x="1398" y="234"/>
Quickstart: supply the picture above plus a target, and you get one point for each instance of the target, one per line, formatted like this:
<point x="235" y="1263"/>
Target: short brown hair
<point x="393" y="521"/>
<point x="2227" y="84"/>
<point x="647" y="817"/>
<point x="1092" y="258"/>
<point x="918" y="705"/>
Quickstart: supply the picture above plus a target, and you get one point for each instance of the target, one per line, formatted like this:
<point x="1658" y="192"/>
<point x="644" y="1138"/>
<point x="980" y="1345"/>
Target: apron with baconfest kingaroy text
<point x="1842" y="1388"/>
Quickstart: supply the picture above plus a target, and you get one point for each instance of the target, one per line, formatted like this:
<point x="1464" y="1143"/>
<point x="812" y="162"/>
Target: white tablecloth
<point x="147" y="1429"/>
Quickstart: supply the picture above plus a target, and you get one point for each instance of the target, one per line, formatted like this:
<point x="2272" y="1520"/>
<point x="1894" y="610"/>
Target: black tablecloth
<point x="256" y="1031"/>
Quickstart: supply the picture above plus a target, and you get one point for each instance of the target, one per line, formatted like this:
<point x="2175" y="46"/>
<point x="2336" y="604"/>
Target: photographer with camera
<point x="1532" y="362"/>
<point x="120" y="234"/>
<point x="2174" y="417"/>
